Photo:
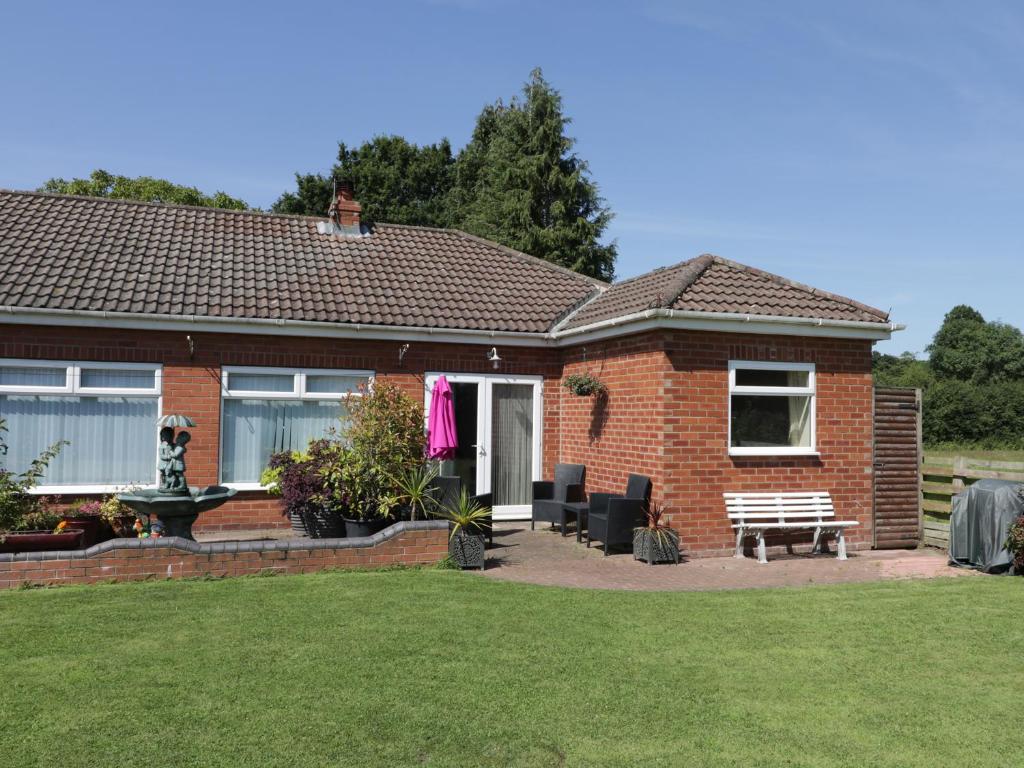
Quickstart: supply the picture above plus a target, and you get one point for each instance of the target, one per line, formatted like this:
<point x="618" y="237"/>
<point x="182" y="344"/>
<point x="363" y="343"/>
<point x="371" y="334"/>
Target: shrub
<point x="384" y="441"/>
<point x="1015" y="544"/>
<point x="984" y="415"/>
<point x="298" y="478"/>
<point x="18" y="507"/>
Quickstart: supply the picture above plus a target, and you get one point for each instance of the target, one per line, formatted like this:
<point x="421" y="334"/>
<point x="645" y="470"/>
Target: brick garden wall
<point x="419" y="543"/>
<point x="192" y="385"/>
<point x="666" y="415"/>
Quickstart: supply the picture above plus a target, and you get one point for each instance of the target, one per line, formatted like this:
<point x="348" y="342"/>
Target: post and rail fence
<point x="942" y="477"/>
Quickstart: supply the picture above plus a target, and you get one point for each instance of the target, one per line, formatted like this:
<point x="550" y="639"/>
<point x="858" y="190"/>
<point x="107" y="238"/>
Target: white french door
<point x="498" y="423"/>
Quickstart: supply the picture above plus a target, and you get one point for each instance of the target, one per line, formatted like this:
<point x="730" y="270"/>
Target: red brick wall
<point x="623" y="431"/>
<point x="418" y="547"/>
<point x="191" y="386"/>
<point x="667" y="416"/>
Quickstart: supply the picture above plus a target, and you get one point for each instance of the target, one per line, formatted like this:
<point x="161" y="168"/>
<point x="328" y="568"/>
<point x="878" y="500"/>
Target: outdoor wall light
<point x="493" y="357"/>
<point x="402" y="350"/>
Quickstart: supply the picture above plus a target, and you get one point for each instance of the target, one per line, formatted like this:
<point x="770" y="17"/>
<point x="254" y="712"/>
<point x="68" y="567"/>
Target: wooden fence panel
<point x="897" y="460"/>
<point x="942" y="477"/>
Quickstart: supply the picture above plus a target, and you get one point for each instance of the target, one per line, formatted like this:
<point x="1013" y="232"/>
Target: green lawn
<point x="975" y="453"/>
<point x="448" y="669"/>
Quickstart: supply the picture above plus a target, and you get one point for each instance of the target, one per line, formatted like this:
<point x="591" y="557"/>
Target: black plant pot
<point x="359" y="528"/>
<point x="467" y="549"/>
<point x="651" y="548"/>
<point x="323" y="524"/>
<point x="298" y="524"/>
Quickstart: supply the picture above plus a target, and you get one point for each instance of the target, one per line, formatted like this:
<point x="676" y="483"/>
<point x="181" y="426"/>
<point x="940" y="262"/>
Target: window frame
<point x="809" y="391"/>
<point x="73" y="387"/>
<point x="298" y="393"/>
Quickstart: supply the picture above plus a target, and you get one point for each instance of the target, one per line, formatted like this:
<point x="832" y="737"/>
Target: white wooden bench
<point x="757" y="513"/>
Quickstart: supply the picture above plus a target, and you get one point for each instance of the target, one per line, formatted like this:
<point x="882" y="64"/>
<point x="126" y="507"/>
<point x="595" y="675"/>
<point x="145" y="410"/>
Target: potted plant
<point x="117" y="517"/>
<point x="299" y="479"/>
<point x="85" y="514"/>
<point x="416" y="490"/>
<point x="27" y="522"/>
<point x="466" y="521"/>
<point x="584" y="384"/>
<point x="655" y="542"/>
<point x="383" y="439"/>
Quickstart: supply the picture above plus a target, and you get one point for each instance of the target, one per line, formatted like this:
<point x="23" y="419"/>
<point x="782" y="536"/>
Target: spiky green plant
<point x="415" y="489"/>
<point x="466" y="514"/>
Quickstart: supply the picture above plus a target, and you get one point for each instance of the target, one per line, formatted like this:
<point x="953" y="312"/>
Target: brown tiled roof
<point x="80" y="253"/>
<point x="713" y="284"/>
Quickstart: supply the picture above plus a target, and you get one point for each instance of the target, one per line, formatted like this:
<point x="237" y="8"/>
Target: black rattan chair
<point x="612" y="517"/>
<point x="551" y="496"/>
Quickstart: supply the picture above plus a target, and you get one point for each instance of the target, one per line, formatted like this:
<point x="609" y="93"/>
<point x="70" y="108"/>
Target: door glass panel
<point x="511" y="443"/>
<point x="464" y="399"/>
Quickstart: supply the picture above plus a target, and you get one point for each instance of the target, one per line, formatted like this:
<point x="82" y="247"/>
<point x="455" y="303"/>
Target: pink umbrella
<point x="441" y="439"/>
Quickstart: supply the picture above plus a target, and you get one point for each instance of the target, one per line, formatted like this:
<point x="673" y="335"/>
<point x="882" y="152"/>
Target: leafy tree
<point x="145" y="188"/>
<point x="966" y="348"/>
<point x="312" y="196"/>
<point x="518" y="182"/>
<point x="901" y="371"/>
<point x="396" y="181"/>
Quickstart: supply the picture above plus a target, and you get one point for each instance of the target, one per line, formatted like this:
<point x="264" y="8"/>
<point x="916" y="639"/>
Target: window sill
<point x="70" y="490"/>
<point x="777" y="452"/>
<point x="245" y="486"/>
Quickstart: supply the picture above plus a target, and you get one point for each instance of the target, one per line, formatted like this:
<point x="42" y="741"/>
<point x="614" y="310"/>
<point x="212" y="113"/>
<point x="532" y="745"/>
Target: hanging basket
<point x="584" y="384"/>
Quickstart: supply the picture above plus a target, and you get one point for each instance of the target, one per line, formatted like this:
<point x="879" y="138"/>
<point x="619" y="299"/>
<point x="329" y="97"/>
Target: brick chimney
<point x="345" y="210"/>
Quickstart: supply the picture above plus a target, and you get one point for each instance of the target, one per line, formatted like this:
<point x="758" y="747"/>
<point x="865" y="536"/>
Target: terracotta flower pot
<point x="41" y="541"/>
<point x="90" y="525"/>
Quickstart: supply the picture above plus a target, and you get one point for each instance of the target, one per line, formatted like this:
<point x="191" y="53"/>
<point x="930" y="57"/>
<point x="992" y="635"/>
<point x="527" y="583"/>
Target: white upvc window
<point x="771" y="409"/>
<point x="268" y="410"/>
<point x="106" y="411"/>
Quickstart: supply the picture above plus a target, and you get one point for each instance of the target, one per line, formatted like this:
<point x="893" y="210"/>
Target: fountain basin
<point x="177" y="512"/>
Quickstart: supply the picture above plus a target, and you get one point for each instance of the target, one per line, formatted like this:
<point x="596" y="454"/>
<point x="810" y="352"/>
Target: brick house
<point x="262" y="327"/>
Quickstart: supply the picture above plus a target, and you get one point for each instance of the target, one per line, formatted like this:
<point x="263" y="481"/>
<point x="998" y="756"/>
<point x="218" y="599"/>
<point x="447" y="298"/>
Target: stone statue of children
<point x="166" y="452"/>
<point x="178" y="461"/>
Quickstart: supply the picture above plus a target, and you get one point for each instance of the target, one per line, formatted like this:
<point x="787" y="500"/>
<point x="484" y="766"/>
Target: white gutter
<point x="728" y="322"/>
<point x="637" y="322"/>
<point x="271" y="326"/>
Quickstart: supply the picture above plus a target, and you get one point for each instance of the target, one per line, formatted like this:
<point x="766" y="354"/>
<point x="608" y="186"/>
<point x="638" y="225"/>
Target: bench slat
<point x="791" y="495"/>
<point x="824" y="524"/>
<point x="776" y="508"/>
<point x="776" y="515"/>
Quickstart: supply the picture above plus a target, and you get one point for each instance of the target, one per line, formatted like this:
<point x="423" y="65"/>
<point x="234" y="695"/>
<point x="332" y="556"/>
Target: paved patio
<point x="544" y="557"/>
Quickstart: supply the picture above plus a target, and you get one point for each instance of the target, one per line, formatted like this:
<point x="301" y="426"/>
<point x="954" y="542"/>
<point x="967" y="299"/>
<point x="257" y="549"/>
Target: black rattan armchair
<point x="613" y="517"/>
<point x="551" y="496"/>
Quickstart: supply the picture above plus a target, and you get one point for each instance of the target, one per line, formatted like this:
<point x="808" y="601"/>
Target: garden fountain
<point x="173" y="503"/>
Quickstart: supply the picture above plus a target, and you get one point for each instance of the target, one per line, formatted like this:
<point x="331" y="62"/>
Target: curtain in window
<point x="113" y="439"/>
<point x="252" y="430"/>
<point x="799" y="422"/>
<point x="512" y="443"/>
<point x="799" y="412"/>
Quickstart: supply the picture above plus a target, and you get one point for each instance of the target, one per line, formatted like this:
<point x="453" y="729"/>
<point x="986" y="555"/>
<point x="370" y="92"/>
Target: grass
<point x="947" y="451"/>
<point x="449" y="669"/>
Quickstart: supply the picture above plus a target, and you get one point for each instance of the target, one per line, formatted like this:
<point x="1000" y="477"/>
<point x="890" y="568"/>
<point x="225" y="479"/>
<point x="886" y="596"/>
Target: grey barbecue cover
<point x="981" y="519"/>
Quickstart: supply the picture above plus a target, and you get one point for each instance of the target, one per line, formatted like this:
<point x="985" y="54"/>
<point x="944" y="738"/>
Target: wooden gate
<point x="897" y="458"/>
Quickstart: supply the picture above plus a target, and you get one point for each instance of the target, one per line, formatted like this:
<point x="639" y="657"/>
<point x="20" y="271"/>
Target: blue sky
<point x="873" y="149"/>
